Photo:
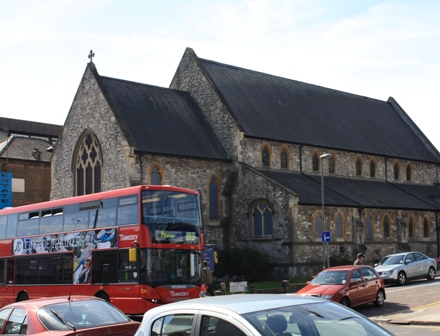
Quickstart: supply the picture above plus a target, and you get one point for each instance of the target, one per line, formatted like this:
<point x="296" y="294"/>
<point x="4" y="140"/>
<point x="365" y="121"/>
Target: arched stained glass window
<point x="425" y="228"/>
<point x="318" y="226"/>
<point x="358" y="167"/>
<point x="283" y="159"/>
<point x="156" y="176"/>
<point x="368" y="228"/>
<point x="213" y="199"/>
<point x="88" y="165"/>
<point x="315" y="162"/>
<point x="262" y="220"/>
<point x="396" y="171"/>
<point x="372" y="169"/>
<point x="386" y="227"/>
<point x="408" y="172"/>
<point x="331" y="164"/>
<point x="339" y="227"/>
<point x="265" y="157"/>
<point x="411" y="228"/>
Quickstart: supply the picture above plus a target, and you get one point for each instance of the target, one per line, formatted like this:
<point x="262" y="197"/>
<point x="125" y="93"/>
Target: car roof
<point x="41" y="302"/>
<point x="402" y="253"/>
<point x="344" y="267"/>
<point x="238" y="303"/>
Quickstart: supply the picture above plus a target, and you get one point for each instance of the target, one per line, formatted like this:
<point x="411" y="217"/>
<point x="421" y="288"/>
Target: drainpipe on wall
<point x="300" y="159"/>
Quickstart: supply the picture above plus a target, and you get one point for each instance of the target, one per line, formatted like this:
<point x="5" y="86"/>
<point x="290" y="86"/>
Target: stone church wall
<point x="189" y="77"/>
<point x="90" y="111"/>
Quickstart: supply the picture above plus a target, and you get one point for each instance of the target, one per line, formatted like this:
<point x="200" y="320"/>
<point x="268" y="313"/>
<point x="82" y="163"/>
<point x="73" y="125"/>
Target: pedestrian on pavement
<point x="207" y="278"/>
<point x="360" y="259"/>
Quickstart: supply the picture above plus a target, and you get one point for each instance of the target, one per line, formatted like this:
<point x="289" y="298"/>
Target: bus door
<point x="7" y="294"/>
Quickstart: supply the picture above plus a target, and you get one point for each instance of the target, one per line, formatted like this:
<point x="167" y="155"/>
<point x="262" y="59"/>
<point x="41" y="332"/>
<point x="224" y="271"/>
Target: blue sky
<point x="371" y="48"/>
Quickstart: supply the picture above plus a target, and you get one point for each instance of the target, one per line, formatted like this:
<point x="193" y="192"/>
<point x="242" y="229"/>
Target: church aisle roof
<point x="164" y="121"/>
<point x="285" y="110"/>
<point x="339" y="191"/>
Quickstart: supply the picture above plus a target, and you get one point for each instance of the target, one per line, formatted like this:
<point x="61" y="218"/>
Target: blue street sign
<point x="325" y="236"/>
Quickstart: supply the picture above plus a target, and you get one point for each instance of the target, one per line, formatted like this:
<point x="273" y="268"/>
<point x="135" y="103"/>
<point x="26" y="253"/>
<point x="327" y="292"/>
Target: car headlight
<point x="385" y="273"/>
<point x="327" y="296"/>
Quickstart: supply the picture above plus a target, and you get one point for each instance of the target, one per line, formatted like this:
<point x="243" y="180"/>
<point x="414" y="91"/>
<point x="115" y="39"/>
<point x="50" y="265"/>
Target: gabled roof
<point x="161" y="120"/>
<point x="23" y="148"/>
<point x="351" y="192"/>
<point x="274" y="108"/>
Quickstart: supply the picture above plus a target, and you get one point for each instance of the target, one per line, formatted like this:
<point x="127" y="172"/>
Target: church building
<point x="277" y="161"/>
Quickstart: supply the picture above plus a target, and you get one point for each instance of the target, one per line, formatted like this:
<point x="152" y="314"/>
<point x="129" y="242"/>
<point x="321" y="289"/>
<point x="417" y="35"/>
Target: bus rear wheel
<point x="22" y="297"/>
<point x="103" y="295"/>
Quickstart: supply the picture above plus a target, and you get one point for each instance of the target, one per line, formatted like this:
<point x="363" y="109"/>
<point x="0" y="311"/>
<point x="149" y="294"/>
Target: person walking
<point x="207" y="278"/>
<point x="360" y="259"/>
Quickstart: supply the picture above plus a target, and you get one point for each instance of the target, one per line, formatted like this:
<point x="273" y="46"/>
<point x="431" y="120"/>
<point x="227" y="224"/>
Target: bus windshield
<point x="171" y="217"/>
<point x="169" y="266"/>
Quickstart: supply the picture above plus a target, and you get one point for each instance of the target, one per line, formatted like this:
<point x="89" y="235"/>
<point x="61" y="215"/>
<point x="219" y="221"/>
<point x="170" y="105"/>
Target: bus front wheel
<point x="103" y="295"/>
<point x="22" y="297"/>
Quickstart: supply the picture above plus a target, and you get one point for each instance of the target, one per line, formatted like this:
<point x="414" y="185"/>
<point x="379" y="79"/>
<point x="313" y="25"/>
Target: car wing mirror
<point x="354" y="282"/>
<point x="375" y="265"/>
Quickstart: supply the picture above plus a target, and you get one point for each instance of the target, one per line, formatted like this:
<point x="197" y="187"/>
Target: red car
<point x="77" y="315"/>
<point x="349" y="285"/>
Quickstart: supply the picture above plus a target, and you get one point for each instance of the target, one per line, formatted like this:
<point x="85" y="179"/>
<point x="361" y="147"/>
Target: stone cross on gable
<point x="91" y="55"/>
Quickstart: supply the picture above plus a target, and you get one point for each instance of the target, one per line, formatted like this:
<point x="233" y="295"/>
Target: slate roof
<point x="353" y="192"/>
<point x="285" y="110"/>
<point x="163" y="121"/>
<point x="23" y="148"/>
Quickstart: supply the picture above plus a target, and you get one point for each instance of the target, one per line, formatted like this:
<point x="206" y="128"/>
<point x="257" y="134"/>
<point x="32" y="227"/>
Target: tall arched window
<point x="265" y="157"/>
<point x="396" y="171"/>
<point x="315" y="163"/>
<point x="262" y="220"/>
<point x="425" y="228"/>
<point x="358" y="167"/>
<point x="318" y="226"/>
<point x="283" y="158"/>
<point x="88" y="165"/>
<point x="156" y="178"/>
<point x="331" y="164"/>
<point x="155" y="174"/>
<point x="368" y="228"/>
<point x="339" y="227"/>
<point x="386" y="227"/>
<point x="408" y="172"/>
<point x="372" y="168"/>
<point x="213" y="199"/>
<point x="410" y="228"/>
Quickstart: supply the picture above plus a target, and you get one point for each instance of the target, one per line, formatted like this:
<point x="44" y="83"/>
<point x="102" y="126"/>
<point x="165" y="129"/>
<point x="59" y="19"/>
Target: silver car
<point x="401" y="267"/>
<point x="256" y="314"/>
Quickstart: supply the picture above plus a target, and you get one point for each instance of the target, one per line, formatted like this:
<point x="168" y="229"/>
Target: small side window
<point x="173" y="325"/>
<point x="16" y="322"/>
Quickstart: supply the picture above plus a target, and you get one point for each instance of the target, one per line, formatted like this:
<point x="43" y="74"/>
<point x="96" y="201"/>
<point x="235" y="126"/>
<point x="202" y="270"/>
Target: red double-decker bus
<point x="137" y="247"/>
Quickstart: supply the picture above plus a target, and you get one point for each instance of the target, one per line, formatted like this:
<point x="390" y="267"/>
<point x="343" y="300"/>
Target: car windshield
<point x="330" y="278"/>
<point x="324" y="318"/>
<point x="392" y="260"/>
<point x="71" y="315"/>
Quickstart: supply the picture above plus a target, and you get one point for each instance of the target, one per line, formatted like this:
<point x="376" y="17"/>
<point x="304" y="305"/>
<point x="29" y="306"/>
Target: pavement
<point x="423" y="315"/>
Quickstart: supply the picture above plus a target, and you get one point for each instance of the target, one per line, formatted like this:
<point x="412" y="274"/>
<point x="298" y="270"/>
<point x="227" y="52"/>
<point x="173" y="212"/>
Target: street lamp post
<point x="323" y="157"/>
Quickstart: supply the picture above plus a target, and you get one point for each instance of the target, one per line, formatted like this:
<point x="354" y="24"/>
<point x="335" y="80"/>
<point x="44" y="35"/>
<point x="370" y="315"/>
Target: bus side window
<point x="3" y="226"/>
<point x="127" y="214"/>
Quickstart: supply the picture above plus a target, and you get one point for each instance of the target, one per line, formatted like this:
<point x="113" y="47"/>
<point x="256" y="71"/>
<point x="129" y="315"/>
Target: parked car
<point x="76" y="315"/>
<point x="401" y="267"/>
<point x="349" y="285"/>
<point x="256" y="314"/>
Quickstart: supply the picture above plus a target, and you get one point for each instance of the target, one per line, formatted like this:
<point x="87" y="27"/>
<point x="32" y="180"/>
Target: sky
<point x="371" y="48"/>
